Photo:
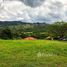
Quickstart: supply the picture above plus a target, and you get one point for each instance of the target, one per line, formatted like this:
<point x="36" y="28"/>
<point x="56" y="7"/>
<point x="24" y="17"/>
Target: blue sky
<point x="33" y="10"/>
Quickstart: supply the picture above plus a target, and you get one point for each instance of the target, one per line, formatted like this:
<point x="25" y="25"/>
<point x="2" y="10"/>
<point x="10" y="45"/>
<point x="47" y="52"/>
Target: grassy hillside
<point x="37" y="53"/>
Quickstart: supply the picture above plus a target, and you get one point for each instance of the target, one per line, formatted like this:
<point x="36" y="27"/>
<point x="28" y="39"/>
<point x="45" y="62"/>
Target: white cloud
<point x="47" y="11"/>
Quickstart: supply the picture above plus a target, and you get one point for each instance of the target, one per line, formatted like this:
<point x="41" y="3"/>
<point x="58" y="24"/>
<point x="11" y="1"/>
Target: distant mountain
<point x="10" y="22"/>
<point x="19" y="22"/>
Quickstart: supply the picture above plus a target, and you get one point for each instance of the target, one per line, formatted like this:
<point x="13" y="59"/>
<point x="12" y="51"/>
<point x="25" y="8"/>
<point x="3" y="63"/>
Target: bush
<point x="6" y="34"/>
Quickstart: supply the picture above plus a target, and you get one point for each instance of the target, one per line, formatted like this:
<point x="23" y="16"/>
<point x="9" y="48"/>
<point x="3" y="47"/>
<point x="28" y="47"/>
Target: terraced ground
<point x="33" y="53"/>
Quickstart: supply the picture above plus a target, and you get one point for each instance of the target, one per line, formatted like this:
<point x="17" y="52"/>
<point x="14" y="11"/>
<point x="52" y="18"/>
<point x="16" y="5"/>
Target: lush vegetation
<point x="33" y="53"/>
<point x="22" y="53"/>
<point x="20" y="30"/>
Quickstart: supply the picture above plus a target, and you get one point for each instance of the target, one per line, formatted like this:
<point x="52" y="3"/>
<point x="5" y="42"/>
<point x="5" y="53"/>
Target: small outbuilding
<point x="29" y="38"/>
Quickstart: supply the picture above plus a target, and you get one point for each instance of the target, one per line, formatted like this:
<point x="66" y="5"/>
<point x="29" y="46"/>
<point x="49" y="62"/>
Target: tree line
<point x="20" y="30"/>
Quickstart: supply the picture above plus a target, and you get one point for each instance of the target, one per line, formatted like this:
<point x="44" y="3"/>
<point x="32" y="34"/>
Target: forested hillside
<point x="20" y="30"/>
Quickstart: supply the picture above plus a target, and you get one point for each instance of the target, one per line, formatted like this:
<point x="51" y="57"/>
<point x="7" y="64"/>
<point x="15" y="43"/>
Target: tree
<point x="6" y="34"/>
<point x="57" y="30"/>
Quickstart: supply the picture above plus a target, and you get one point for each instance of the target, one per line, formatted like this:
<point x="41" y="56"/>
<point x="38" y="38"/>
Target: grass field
<point x="34" y="53"/>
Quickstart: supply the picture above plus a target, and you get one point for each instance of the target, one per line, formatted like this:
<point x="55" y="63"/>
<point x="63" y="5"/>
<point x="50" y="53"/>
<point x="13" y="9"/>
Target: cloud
<point x="33" y="10"/>
<point x="33" y="3"/>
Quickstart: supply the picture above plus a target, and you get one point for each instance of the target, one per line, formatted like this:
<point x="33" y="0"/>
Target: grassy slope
<point x="21" y="53"/>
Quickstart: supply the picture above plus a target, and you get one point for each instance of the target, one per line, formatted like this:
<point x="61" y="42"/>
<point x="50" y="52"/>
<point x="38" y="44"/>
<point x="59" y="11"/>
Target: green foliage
<point x="56" y="30"/>
<point x="6" y="34"/>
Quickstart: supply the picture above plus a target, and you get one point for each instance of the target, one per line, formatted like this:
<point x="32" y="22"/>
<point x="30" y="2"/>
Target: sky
<point x="33" y="10"/>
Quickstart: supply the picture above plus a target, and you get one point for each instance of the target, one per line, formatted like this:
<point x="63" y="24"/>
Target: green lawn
<point x="34" y="53"/>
